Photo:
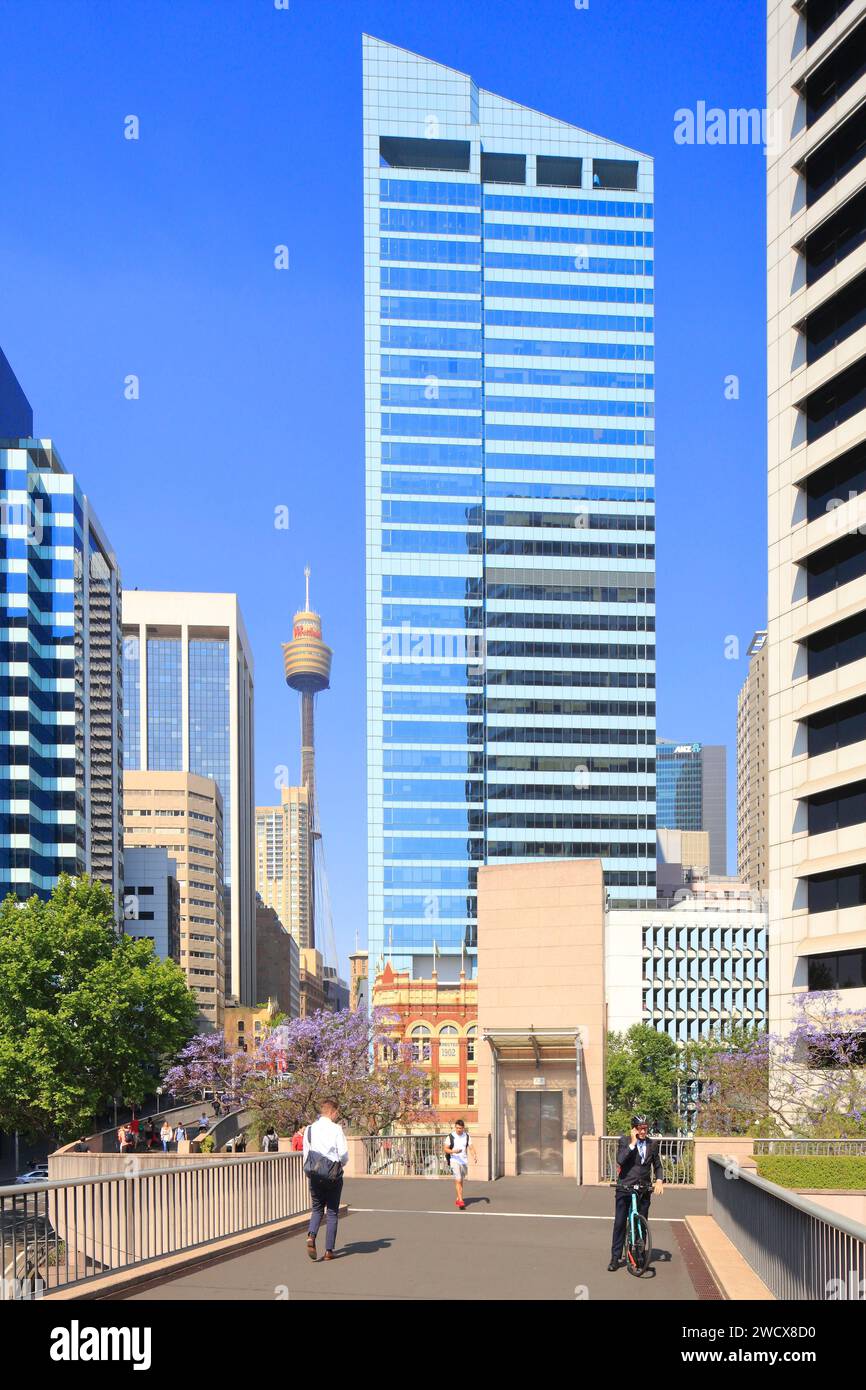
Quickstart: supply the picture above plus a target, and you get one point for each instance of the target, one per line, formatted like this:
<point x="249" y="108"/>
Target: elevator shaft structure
<point x="307" y="662"/>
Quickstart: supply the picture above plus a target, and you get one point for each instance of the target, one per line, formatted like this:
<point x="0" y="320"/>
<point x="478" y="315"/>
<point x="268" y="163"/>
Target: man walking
<point x="457" y="1152"/>
<point x="326" y="1154"/>
<point x="637" y="1158"/>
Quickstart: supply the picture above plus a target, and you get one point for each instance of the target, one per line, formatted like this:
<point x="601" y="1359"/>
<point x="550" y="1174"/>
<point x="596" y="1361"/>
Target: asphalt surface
<point x="518" y="1238"/>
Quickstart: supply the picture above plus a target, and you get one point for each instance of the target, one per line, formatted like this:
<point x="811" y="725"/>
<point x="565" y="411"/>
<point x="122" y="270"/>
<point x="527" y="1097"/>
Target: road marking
<point x="529" y="1215"/>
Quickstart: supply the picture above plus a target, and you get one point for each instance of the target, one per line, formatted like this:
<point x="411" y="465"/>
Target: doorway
<point x="539" y="1132"/>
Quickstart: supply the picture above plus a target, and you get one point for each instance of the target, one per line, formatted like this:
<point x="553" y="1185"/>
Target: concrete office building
<point x="689" y="970"/>
<point x="151" y="900"/>
<point x="541" y="1016"/>
<point x="359" y="980"/>
<point x="510" y="501"/>
<point x="691" y="794"/>
<point x="278" y="962"/>
<point x="753" y="828"/>
<point x="816" y="228"/>
<point x="283" y="851"/>
<point x="60" y="670"/>
<point x="682" y="855"/>
<point x="311" y="981"/>
<point x="181" y="814"/>
<point x="188" y="707"/>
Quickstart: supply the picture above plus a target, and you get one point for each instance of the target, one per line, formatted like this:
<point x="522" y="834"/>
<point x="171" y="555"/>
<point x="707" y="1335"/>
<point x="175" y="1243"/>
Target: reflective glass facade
<point x="164" y="704"/>
<point x="189" y="708"/>
<point x="131" y="702"/>
<point x="691" y="792"/>
<point x="209" y="721"/>
<point x="60" y="680"/>
<point x="510" y="496"/>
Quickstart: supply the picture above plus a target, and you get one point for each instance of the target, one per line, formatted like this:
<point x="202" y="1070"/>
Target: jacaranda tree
<point x="810" y="1082"/>
<point x="349" y="1056"/>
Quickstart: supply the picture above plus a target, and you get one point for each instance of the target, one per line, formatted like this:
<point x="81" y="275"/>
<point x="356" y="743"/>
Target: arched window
<point x="420" y="1036"/>
<point x="472" y="1034"/>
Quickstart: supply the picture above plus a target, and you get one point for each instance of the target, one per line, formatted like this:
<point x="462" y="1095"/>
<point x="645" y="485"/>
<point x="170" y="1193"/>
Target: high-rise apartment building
<point x="691" y="794"/>
<point x="816" y="228"/>
<point x="188" y="707"/>
<point x="283" y="848"/>
<point x="60" y="670"/>
<point x="510" y="522"/>
<point x="181" y="813"/>
<point x="753" y="829"/>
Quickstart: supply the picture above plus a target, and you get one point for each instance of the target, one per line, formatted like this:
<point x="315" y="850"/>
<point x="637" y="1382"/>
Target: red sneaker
<point x="460" y="1204"/>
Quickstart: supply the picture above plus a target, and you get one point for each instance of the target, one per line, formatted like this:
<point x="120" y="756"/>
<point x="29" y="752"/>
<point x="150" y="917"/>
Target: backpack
<point x="451" y="1138"/>
<point x="318" y="1166"/>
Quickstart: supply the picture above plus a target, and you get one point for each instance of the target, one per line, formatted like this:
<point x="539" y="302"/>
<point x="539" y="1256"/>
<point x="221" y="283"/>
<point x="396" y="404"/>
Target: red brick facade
<point x="441" y="1022"/>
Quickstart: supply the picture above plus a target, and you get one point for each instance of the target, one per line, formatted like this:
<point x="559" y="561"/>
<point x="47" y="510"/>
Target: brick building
<point x="440" y="1019"/>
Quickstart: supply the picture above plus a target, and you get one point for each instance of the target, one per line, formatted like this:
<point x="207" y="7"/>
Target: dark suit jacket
<point x="631" y="1171"/>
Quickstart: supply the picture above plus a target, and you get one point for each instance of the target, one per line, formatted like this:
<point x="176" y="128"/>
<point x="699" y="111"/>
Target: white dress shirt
<point x="324" y="1137"/>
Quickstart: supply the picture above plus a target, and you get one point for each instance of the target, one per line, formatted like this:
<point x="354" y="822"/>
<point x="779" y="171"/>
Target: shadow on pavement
<point x="363" y="1247"/>
<point x="476" y="1201"/>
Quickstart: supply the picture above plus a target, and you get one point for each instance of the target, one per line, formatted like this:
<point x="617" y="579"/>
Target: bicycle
<point x="638" y="1242"/>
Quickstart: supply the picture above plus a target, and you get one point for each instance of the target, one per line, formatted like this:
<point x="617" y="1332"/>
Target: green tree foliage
<point x="85" y="1015"/>
<point x="641" y="1079"/>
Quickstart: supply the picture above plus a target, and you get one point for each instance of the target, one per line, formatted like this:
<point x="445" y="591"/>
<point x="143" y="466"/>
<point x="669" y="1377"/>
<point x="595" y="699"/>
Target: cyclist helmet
<point x="638" y="1120"/>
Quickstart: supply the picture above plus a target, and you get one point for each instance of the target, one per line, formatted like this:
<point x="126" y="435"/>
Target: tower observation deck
<point x="307" y="663"/>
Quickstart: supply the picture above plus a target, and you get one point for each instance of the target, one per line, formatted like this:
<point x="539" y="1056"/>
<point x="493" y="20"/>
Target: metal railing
<point x="821" y="1148"/>
<point x="55" y="1234"/>
<point x="677" y="1154"/>
<point x="406" y="1156"/>
<point x="800" y="1250"/>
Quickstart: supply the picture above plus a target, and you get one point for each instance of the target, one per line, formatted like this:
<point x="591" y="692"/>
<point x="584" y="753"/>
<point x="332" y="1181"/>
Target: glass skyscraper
<point x="60" y="671"/>
<point x="691" y="793"/>
<point x="188" y="707"/>
<point x="510" y="502"/>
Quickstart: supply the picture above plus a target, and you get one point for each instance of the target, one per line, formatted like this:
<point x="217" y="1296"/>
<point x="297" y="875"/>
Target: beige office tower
<point x="188" y="707"/>
<point x="816" y="663"/>
<point x="752" y="773"/>
<point x="182" y="813"/>
<point x="283" y="860"/>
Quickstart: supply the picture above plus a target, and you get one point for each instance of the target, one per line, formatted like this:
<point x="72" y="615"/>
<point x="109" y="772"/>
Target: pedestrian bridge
<point x="229" y="1227"/>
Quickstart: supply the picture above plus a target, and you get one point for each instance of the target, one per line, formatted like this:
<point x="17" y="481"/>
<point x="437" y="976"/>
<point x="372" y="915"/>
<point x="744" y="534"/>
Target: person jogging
<point x="457" y="1152"/>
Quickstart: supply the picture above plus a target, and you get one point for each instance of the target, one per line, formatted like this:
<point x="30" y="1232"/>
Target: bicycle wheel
<point x="638" y="1247"/>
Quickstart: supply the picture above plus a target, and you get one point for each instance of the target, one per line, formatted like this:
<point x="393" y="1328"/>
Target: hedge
<point x="812" y="1170"/>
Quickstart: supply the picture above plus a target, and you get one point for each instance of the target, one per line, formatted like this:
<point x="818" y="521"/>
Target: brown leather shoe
<point x="328" y="1255"/>
<point x="311" y="1249"/>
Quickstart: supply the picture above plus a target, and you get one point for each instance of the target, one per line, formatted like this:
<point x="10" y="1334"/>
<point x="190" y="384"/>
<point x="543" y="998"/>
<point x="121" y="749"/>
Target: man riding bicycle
<point x="637" y="1158"/>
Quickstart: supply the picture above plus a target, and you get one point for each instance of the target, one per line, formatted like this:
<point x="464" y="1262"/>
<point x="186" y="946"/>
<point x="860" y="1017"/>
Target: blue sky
<point x="155" y="258"/>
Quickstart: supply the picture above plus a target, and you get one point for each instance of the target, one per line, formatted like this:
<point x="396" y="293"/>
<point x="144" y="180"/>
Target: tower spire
<point x="307" y="662"/>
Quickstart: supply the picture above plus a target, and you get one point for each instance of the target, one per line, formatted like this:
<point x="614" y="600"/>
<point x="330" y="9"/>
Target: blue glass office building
<point x="60" y="670"/>
<point x="188" y="707"/>
<point x="510" y="501"/>
<point x="691" y="792"/>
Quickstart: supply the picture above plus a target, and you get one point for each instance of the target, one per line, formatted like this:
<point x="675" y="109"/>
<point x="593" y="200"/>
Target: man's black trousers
<point x="623" y="1202"/>
<point x="325" y="1196"/>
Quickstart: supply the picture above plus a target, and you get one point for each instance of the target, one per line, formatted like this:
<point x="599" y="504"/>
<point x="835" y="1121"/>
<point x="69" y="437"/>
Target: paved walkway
<point x="519" y="1238"/>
